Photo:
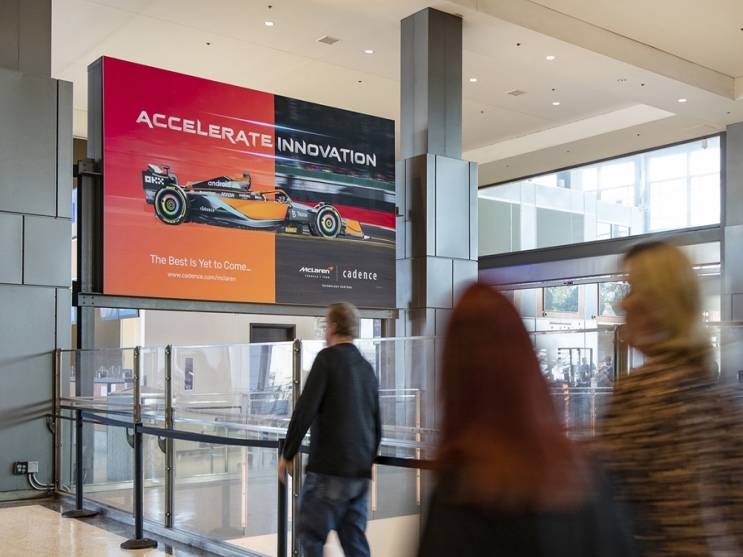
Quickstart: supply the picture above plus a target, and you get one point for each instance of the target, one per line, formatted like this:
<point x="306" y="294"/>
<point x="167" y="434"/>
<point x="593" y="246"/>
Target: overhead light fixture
<point x="369" y="51"/>
<point x="550" y="57"/>
<point x="269" y="24"/>
<point x="473" y="79"/>
<point x="682" y="100"/>
<point x="555" y="103"/>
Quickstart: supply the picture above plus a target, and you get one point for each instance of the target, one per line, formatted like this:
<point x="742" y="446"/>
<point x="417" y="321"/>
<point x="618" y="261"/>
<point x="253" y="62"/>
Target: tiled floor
<point x="37" y="528"/>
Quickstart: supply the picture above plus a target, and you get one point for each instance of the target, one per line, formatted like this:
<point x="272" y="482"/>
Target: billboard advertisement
<point x="221" y="193"/>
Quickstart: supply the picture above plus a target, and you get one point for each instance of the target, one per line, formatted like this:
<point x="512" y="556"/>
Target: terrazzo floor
<point x="38" y="529"/>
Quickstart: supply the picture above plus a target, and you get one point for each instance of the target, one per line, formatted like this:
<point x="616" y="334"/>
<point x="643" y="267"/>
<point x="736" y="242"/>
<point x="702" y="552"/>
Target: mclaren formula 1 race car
<point x="229" y="201"/>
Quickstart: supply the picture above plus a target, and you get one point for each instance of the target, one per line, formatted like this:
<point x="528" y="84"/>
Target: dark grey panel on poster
<point x="309" y="272"/>
<point x="11" y="248"/>
<point x="47" y="257"/>
<point x="28" y="143"/>
<point x="26" y="372"/>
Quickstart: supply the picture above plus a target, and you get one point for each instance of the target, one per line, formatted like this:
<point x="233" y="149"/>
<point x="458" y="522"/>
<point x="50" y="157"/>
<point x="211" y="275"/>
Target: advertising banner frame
<point x="96" y="153"/>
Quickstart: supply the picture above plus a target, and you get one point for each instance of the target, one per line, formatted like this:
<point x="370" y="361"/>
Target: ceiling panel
<point x="706" y="33"/>
<point x="287" y="59"/>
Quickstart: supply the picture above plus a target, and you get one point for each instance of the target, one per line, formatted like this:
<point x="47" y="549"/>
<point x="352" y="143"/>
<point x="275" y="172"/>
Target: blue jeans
<point x="333" y="503"/>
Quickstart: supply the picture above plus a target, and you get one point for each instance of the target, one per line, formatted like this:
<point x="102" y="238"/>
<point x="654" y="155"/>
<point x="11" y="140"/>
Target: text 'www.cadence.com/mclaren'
<point x="194" y="276"/>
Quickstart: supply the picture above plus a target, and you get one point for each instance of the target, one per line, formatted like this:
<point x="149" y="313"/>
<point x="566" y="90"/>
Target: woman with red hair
<point x="510" y="482"/>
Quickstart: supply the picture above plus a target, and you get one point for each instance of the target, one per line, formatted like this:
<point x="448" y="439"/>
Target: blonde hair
<point x="665" y="282"/>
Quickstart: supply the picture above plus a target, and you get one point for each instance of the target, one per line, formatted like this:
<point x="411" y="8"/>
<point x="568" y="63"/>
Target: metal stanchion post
<point x="282" y="510"/>
<point x="79" y="511"/>
<point x="139" y="541"/>
<point x="169" y="443"/>
<point x="137" y="387"/>
<point x="297" y="464"/>
<point x="57" y="420"/>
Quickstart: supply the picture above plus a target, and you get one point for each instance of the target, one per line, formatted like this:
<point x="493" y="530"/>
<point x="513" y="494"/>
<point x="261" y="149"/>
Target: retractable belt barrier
<point x="139" y="541"/>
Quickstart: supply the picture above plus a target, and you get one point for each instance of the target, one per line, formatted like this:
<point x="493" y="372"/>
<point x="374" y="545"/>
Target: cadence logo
<point x="351" y="273"/>
<point x="316" y="271"/>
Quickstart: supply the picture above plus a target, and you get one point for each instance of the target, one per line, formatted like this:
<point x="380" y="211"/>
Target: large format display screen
<point x="217" y="192"/>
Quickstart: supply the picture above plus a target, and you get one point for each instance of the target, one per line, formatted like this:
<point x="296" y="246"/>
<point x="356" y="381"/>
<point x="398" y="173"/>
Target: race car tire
<point x="327" y="222"/>
<point x="171" y="205"/>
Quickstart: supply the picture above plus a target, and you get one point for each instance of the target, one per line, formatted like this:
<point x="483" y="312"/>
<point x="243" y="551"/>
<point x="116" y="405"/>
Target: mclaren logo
<point x="314" y="271"/>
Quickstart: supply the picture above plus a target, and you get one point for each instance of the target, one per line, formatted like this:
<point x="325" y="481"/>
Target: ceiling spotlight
<point x="269" y="24"/>
<point x="555" y="103"/>
<point x="473" y="79"/>
<point x="682" y="100"/>
<point x="550" y="57"/>
<point x="369" y="51"/>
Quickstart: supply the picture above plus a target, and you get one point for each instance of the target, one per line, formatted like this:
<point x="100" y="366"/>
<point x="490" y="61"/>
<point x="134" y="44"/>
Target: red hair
<point x="500" y="433"/>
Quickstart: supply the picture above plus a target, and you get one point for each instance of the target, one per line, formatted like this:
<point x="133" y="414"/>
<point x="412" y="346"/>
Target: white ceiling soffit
<point x="574" y="131"/>
<point x="550" y="22"/>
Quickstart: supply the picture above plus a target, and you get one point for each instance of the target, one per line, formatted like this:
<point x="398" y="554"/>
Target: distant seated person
<point x="586" y="372"/>
<point x="603" y="378"/>
<point x="609" y="366"/>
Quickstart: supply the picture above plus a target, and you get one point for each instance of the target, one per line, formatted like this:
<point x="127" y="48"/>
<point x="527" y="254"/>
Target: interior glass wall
<point x="667" y="189"/>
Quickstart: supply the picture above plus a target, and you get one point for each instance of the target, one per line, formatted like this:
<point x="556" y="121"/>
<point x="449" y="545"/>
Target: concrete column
<point x="731" y="252"/>
<point x="436" y="190"/>
<point x="732" y="225"/>
<point x="35" y="242"/>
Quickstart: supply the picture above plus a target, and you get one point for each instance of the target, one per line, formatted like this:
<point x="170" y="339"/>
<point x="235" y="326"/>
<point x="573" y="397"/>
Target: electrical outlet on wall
<point x="21" y="467"/>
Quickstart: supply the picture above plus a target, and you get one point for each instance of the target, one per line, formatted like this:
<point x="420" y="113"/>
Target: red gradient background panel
<point x="135" y="239"/>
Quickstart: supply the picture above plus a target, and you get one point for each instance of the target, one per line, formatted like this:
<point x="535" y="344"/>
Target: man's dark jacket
<point x="341" y="402"/>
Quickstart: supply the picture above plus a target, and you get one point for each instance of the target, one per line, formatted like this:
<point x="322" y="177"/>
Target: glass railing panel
<point x="228" y="493"/>
<point x="246" y="384"/>
<point x="101" y="378"/>
<point x="154" y="464"/>
<point x="579" y="367"/>
<point x="109" y="463"/>
<point x="152" y="383"/>
<point x="66" y="452"/>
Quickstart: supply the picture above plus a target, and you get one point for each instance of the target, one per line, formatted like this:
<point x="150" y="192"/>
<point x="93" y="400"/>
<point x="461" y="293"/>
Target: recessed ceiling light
<point x="682" y="100"/>
<point x="269" y="23"/>
<point x="550" y="57"/>
<point x="473" y="79"/>
<point x="555" y="103"/>
<point x="369" y="51"/>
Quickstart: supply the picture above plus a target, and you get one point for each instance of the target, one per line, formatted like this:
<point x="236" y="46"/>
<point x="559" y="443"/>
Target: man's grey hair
<point x="346" y="319"/>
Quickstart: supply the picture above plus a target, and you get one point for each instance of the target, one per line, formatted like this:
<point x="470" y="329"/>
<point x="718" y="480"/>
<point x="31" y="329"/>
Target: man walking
<point x="341" y="402"/>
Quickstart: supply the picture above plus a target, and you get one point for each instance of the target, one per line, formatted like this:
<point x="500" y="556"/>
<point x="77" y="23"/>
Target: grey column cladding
<point x="35" y="237"/>
<point x="731" y="253"/>
<point x="436" y="190"/>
